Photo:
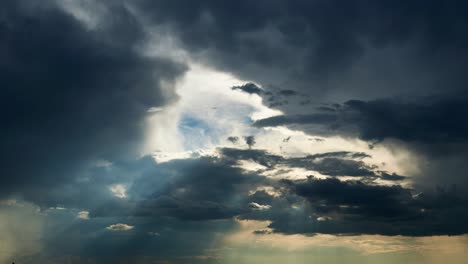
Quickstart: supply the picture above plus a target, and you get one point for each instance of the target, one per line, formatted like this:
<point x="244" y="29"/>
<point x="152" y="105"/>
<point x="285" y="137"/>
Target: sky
<point x="231" y="132"/>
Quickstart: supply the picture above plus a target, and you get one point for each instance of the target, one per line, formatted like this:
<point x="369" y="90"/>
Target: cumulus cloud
<point x="120" y="227"/>
<point x="83" y="215"/>
<point x="119" y="190"/>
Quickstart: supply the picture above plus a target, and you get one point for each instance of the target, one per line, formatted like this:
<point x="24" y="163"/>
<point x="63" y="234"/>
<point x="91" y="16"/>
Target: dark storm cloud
<point x="192" y="189"/>
<point x="261" y="157"/>
<point x="361" y="198"/>
<point x="207" y="188"/>
<point x="332" y="206"/>
<point x="431" y="120"/>
<point x="334" y="164"/>
<point x="71" y="94"/>
<point x="188" y="202"/>
<point x="65" y="236"/>
<point x="432" y="127"/>
<point x="340" y="51"/>
<point x="369" y="54"/>
<point x="332" y="49"/>
<point x="92" y="188"/>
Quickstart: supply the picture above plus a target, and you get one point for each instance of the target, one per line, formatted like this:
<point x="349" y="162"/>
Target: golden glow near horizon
<point x="243" y="246"/>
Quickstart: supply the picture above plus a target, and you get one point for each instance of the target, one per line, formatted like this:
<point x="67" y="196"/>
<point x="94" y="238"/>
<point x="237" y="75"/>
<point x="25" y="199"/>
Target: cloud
<point x="333" y="206"/>
<point x="153" y="233"/>
<point x="432" y="128"/>
<point x="119" y="191"/>
<point x="332" y="50"/>
<point x="428" y="120"/>
<point x="324" y="218"/>
<point x="200" y="189"/>
<point x="249" y="88"/>
<point x="335" y="164"/>
<point x="188" y="199"/>
<point x="120" y="227"/>
<point x="250" y="141"/>
<point x="73" y="94"/>
<point x="371" y="55"/>
<point x="83" y="215"/>
<point x="257" y="206"/>
<point x="233" y="139"/>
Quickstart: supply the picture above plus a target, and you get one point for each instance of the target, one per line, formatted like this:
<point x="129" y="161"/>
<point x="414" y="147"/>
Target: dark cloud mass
<point x="432" y="127"/>
<point x="431" y="120"/>
<point x="71" y="95"/>
<point x="334" y="164"/>
<point x="192" y="189"/>
<point x="332" y="49"/>
<point x="353" y="207"/>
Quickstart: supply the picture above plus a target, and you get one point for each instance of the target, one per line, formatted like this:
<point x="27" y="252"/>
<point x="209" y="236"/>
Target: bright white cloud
<point x="257" y="206"/>
<point x="324" y="218"/>
<point x="120" y="227"/>
<point x="119" y="191"/>
<point x="83" y="215"/>
<point x="209" y="111"/>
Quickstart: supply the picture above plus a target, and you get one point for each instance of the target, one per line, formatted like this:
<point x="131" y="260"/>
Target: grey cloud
<point x="288" y="92"/>
<point x="433" y="128"/>
<point x="250" y="141"/>
<point x="120" y="227"/>
<point x="318" y="118"/>
<point x="186" y="200"/>
<point x="233" y="139"/>
<point x="354" y="207"/>
<point x="193" y="189"/>
<point x="337" y="49"/>
<point x="249" y="88"/>
<point x="433" y="121"/>
<point x="89" y="240"/>
<point x="336" y="164"/>
<point x="71" y="95"/>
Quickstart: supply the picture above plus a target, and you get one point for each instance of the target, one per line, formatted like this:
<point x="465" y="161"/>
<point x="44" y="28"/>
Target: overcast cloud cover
<point x="187" y="131"/>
